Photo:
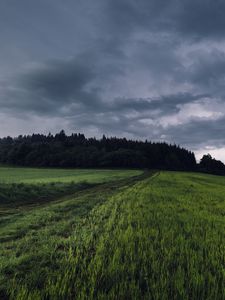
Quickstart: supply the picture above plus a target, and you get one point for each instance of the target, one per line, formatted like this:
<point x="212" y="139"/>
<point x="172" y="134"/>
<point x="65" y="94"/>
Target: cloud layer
<point x="141" y="69"/>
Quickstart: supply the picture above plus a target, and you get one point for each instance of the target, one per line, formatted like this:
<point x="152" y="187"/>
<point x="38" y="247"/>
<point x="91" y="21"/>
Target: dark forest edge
<point x="77" y="151"/>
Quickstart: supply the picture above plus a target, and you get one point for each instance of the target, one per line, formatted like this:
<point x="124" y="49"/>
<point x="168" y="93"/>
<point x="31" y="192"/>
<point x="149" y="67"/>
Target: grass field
<point x="36" y="176"/>
<point x="33" y="186"/>
<point x="159" y="236"/>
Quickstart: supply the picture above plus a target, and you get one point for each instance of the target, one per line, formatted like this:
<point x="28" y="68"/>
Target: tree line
<point x="75" y="150"/>
<point x="211" y="165"/>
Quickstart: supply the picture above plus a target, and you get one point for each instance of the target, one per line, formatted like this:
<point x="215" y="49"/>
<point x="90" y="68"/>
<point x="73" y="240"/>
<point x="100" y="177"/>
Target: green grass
<point x="42" y="175"/>
<point x="30" y="186"/>
<point x="160" y="237"/>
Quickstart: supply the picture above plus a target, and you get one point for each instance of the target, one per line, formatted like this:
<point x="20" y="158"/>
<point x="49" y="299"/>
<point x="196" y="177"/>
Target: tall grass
<point x="161" y="238"/>
<point x="19" y="194"/>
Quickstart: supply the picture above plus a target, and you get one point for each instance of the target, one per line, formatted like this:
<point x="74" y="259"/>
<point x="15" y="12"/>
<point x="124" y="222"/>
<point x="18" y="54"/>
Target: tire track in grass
<point x="38" y="233"/>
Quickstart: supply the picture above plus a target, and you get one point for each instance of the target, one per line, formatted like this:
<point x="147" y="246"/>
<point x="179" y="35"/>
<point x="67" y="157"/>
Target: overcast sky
<point x="142" y="69"/>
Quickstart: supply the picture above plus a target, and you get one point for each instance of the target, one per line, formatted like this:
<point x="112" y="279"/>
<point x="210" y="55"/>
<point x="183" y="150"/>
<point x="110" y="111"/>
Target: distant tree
<point x="61" y="136"/>
<point x="211" y="165"/>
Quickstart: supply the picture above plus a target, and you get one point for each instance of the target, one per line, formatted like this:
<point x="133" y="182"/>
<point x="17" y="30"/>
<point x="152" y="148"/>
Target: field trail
<point x="159" y="237"/>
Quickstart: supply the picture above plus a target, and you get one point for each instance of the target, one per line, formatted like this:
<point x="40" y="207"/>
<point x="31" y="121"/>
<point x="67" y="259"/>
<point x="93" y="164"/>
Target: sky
<point x="147" y="69"/>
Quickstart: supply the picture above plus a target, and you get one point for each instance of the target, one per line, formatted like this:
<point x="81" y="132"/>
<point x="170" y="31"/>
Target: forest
<point x="77" y="151"/>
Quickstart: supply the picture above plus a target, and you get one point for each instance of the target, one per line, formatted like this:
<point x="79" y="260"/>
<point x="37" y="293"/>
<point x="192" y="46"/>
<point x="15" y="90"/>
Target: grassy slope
<point x="38" y="175"/>
<point x="160" y="238"/>
<point x="30" y="186"/>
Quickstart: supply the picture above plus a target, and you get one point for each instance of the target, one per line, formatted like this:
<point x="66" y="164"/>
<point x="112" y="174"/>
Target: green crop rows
<point x="152" y="237"/>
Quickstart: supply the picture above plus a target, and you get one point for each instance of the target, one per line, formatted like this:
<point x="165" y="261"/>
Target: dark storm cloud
<point x="145" y="69"/>
<point x="50" y="87"/>
<point x="57" y="79"/>
<point x="208" y="71"/>
<point x="194" y="18"/>
<point x="164" y="105"/>
<point x="201" y="18"/>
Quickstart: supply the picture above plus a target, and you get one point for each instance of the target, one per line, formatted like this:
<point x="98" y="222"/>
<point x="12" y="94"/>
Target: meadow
<point x="34" y="186"/>
<point x="45" y="175"/>
<point x="158" y="235"/>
